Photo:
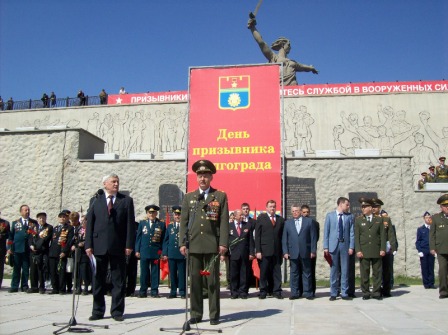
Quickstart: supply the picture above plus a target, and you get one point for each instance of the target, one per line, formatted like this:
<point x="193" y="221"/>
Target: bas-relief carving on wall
<point x="142" y="130"/>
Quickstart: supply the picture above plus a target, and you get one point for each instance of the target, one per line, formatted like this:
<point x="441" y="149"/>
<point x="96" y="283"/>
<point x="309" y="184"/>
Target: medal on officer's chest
<point x="212" y="210"/>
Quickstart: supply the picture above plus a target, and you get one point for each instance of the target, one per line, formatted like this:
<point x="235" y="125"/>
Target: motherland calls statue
<point x="283" y="46"/>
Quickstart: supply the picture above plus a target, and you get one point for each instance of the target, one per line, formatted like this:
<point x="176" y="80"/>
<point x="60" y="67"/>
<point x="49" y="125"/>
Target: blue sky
<point x="148" y="45"/>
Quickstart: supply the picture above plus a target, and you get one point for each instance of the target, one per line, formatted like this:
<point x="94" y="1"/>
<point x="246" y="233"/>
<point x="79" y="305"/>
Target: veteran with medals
<point x="438" y="243"/>
<point x="148" y="247"/>
<point x="370" y="246"/>
<point x="205" y="218"/>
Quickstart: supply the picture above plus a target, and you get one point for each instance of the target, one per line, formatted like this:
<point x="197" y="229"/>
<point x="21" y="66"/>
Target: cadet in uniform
<point x="391" y="246"/>
<point x="442" y="171"/>
<point x="438" y="243"/>
<point x="426" y="258"/>
<point x="39" y="242"/>
<point x="176" y="261"/>
<point x="148" y="247"/>
<point x="205" y="218"/>
<point x="370" y="246"/>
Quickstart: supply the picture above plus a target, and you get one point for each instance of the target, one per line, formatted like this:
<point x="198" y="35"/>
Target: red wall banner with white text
<point x="234" y="121"/>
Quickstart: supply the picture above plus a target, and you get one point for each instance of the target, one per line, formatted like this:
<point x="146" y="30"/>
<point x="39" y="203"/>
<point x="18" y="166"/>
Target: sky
<point x="149" y="45"/>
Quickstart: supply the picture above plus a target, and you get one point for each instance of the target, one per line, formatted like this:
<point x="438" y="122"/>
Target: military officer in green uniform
<point x="431" y="176"/>
<point x="204" y="232"/>
<point x="438" y="243"/>
<point x="391" y="246"/>
<point x="176" y="261"/>
<point x="370" y="244"/>
<point x="422" y="181"/>
<point x="148" y="247"/>
<point x="442" y="171"/>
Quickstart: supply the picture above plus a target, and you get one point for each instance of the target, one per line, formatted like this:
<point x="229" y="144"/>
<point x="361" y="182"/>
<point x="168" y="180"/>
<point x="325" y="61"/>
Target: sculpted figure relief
<point x="283" y="46"/>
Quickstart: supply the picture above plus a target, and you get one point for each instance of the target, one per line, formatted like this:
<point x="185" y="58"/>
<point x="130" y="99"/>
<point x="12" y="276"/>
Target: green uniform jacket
<point x="438" y="234"/>
<point x="210" y="228"/>
<point x="370" y="237"/>
<point x="391" y="235"/>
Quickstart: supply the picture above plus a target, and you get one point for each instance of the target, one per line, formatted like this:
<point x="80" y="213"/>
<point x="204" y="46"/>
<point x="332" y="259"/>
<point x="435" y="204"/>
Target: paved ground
<point x="411" y="310"/>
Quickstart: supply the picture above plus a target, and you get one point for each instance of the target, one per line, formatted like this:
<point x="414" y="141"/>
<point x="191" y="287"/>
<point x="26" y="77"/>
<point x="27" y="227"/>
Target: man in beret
<point x="176" y="261"/>
<point x="204" y="232"/>
<point x="39" y="241"/>
<point x="391" y="246"/>
<point x="438" y="243"/>
<point x="370" y="246"/>
<point x="148" y="247"/>
<point x="442" y="171"/>
<point x="426" y="258"/>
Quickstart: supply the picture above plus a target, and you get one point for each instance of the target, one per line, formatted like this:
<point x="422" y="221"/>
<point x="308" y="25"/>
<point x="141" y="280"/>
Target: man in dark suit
<point x="306" y="212"/>
<point x="438" y="243"/>
<point x="370" y="245"/>
<point x="268" y="248"/>
<point x="426" y="259"/>
<point x="299" y="242"/>
<point x="339" y="242"/>
<point x="148" y="248"/>
<point x="240" y="233"/>
<point x="205" y="224"/>
<point x="18" y="247"/>
<point x="110" y="237"/>
<point x="176" y="261"/>
<point x="39" y="242"/>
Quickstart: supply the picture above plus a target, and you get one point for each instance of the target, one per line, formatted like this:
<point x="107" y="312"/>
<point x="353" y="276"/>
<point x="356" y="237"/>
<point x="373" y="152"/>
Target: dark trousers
<point x="365" y="264"/>
<point x="84" y="276"/>
<point x="387" y="273"/>
<point x="443" y="274"/>
<point x="2" y="259"/>
<point x="300" y="273"/>
<point x="238" y="275"/>
<point x="38" y="266"/>
<point x="21" y="271"/>
<point x="199" y="262"/>
<point x="351" y="274"/>
<point x="270" y="275"/>
<point x="313" y="275"/>
<point x="58" y="274"/>
<point x="427" y="267"/>
<point x="118" y="273"/>
<point x="131" y="274"/>
<point x="177" y="275"/>
<point x="149" y="268"/>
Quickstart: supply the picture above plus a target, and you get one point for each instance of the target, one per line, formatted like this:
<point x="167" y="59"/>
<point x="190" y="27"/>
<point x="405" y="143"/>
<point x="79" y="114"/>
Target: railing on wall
<point x="58" y="103"/>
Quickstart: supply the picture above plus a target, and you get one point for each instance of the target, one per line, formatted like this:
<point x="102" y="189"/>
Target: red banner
<point x="235" y="123"/>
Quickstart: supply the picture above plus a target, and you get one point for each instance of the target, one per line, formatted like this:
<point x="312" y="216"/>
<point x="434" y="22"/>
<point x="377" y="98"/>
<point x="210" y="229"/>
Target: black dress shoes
<point x="366" y="297"/>
<point x="443" y="296"/>
<point x="346" y="298"/>
<point x="195" y="320"/>
<point x="95" y="317"/>
<point x="377" y="297"/>
<point x="310" y="297"/>
<point x="13" y="290"/>
<point x="278" y="296"/>
<point x="262" y="296"/>
<point x="214" y="322"/>
<point x="243" y="296"/>
<point x="234" y="296"/>
<point x="294" y="297"/>
<point x="118" y="318"/>
<point x="332" y="298"/>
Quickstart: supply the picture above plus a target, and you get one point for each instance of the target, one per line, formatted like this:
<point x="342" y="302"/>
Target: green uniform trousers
<point x="199" y="262"/>
<point x="376" y="264"/>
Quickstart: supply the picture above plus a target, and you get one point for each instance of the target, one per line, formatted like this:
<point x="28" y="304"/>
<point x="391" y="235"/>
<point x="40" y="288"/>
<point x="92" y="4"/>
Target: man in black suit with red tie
<point x="110" y="237"/>
<point x="240" y="233"/>
<point x="268" y="247"/>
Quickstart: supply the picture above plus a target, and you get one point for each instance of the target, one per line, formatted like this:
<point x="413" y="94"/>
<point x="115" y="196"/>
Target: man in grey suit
<point x="339" y="242"/>
<point x="299" y="242"/>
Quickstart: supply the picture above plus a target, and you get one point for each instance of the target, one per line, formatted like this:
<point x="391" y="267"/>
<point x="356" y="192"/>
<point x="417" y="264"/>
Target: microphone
<point x="99" y="192"/>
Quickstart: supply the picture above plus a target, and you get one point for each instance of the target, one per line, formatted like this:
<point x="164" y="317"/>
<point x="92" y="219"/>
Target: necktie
<point x="238" y="229"/>
<point x="273" y="220"/>
<point x="368" y="219"/>
<point x="25" y="222"/>
<point x="298" y="225"/>
<point x="110" y="204"/>
<point x="341" y="228"/>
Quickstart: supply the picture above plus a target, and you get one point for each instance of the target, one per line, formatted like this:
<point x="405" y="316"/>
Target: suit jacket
<point x="18" y="235"/>
<point x="110" y="234"/>
<point x="331" y="231"/>
<point x="422" y="241"/>
<point x="240" y="249"/>
<point x="268" y="238"/>
<point x="149" y="241"/>
<point x="41" y="240"/>
<point x="210" y="228"/>
<point x="370" y="237"/>
<point x="300" y="244"/>
<point x="438" y="234"/>
<point x="171" y="242"/>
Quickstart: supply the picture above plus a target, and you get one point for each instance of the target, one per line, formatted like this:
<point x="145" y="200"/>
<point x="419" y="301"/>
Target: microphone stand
<point x="187" y="326"/>
<point x="70" y="326"/>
